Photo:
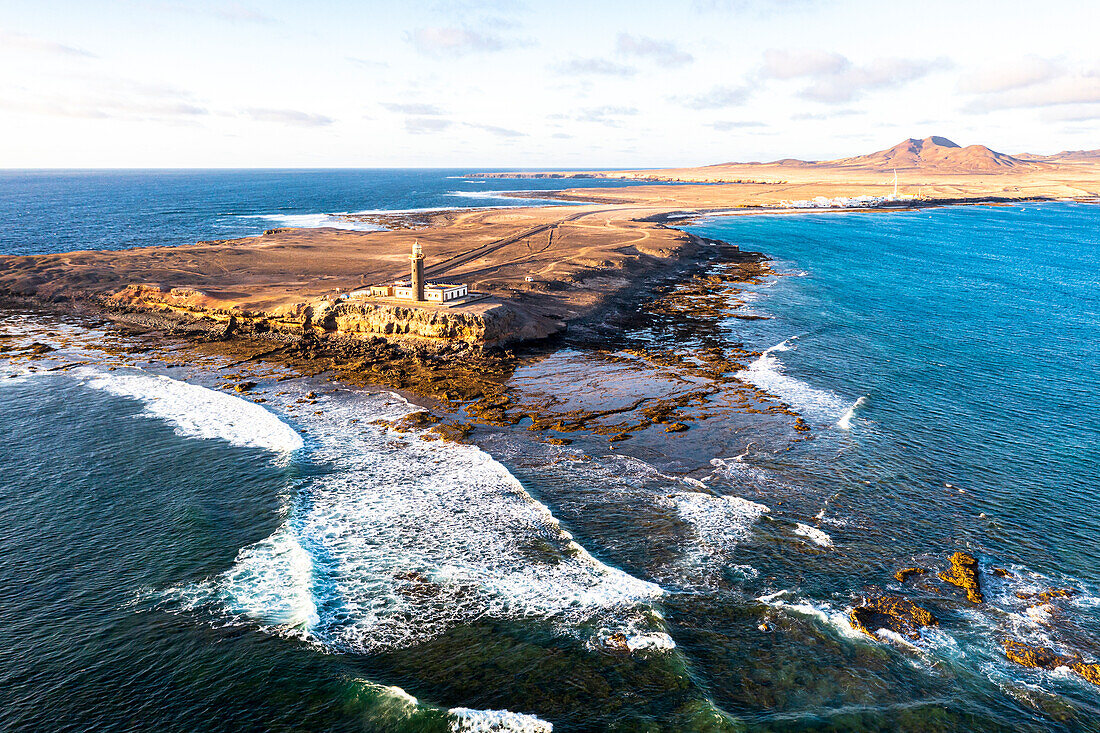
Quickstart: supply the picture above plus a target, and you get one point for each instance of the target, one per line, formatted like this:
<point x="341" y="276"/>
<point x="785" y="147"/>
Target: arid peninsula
<point x="534" y="270"/>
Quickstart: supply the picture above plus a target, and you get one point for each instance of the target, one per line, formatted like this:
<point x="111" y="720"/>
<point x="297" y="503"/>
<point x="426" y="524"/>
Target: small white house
<point x="442" y="292"/>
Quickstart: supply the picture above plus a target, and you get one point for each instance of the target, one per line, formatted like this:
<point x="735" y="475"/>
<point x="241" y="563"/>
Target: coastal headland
<point x="541" y="267"/>
<point x="535" y="270"/>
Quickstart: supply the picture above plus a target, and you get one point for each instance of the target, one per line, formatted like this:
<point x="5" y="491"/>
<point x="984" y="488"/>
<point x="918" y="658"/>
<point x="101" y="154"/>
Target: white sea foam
<point x="390" y="706"/>
<point x="820" y="611"/>
<point x="499" y="195"/>
<point x="197" y="412"/>
<point x="465" y="720"/>
<point x="814" y="534"/>
<point x="720" y="524"/>
<point x="314" y="221"/>
<point x="407" y="537"/>
<point x="271" y="582"/>
<point x="636" y="631"/>
<point x="766" y="372"/>
<point x="845" y="421"/>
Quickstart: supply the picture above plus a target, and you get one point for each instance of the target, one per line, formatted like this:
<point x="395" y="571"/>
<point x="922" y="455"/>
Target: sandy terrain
<point x="550" y="264"/>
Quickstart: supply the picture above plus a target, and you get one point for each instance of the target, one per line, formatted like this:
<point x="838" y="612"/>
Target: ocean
<point x="177" y="556"/>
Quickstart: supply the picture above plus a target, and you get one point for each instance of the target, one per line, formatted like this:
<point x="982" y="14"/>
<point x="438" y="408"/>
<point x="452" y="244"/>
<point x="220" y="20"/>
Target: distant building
<point x="415" y="288"/>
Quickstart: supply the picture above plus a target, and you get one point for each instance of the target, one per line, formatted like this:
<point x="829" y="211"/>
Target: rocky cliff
<point x="486" y="323"/>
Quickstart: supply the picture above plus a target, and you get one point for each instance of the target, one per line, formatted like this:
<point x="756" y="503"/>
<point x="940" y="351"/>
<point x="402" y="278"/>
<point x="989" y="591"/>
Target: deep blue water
<point x="61" y="211"/>
<point x="973" y="336"/>
<point x="172" y="561"/>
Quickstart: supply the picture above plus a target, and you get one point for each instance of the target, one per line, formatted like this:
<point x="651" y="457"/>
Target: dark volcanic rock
<point x="897" y="614"/>
<point x="964" y="574"/>
<point x="1040" y="657"/>
<point x="905" y="573"/>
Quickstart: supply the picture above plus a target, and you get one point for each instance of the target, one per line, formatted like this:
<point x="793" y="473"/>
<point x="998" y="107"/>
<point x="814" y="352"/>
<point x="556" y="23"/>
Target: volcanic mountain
<point x="937" y="153"/>
<point x="1066" y="156"/>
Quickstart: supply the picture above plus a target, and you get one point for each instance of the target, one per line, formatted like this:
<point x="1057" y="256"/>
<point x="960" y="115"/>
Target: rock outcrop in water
<point x="905" y="573"/>
<point x="964" y="574"/>
<point x="1040" y="657"/>
<point x="893" y="613"/>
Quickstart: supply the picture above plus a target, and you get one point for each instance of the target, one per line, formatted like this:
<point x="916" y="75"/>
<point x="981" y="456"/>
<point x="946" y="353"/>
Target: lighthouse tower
<point x="417" y="258"/>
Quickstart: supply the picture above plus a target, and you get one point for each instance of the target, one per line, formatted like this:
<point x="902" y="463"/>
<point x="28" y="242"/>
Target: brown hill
<point x="938" y="153"/>
<point x="1066" y="156"/>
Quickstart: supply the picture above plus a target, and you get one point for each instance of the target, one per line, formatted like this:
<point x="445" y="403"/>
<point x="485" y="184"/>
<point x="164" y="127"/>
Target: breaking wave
<point x="845" y="421"/>
<point x="813" y="534"/>
<point x="766" y="372"/>
<point x="466" y="720"/>
<point x="391" y="707"/>
<point x="197" y="412"/>
<point x="398" y="539"/>
<point x="316" y="221"/>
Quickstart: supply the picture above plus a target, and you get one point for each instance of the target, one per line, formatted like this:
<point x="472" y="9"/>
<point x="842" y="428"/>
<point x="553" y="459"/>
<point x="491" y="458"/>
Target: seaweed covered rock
<point x="964" y="574"/>
<point x="1040" y="657"/>
<point x="1037" y="657"/>
<point x="894" y="613"/>
<point x="905" y="573"/>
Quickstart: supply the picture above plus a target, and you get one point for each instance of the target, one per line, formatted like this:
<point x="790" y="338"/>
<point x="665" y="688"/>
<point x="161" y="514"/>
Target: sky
<point x="535" y="84"/>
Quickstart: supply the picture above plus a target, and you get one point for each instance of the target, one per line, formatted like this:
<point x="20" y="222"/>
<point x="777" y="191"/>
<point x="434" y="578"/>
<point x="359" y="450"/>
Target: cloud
<point x="664" y="53"/>
<point x="368" y="63"/>
<point x="90" y="95"/>
<point x="1082" y="113"/>
<point x="1016" y="74"/>
<point x="413" y="108"/>
<point x="719" y="97"/>
<point x="237" y="13"/>
<point x="725" y="125"/>
<point x="104" y="108"/>
<point x="605" y="115"/>
<point x="498" y="131"/>
<point x="455" y="41"/>
<point x="827" y="115"/>
<point x="834" y="79"/>
<point x="287" y="117"/>
<point x="227" y="11"/>
<point x="761" y="8"/>
<point x="24" y="42"/>
<point x="1081" y="88"/>
<point x="784" y="64"/>
<point x="424" y="125"/>
<point x="598" y="66"/>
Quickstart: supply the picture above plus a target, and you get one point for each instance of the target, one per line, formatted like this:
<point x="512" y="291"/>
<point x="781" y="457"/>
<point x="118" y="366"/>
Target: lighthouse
<point x="417" y="258"/>
<point x="415" y="288"/>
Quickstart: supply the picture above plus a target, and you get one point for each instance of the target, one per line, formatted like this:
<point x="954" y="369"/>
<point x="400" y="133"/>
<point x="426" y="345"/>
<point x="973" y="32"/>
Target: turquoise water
<point x="176" y="557"/>
<point x="970" y="335"/>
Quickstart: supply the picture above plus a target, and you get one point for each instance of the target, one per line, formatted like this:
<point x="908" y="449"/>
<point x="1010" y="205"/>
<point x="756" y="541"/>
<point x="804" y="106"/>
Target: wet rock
<point x="894" y="613"/>
<point x="414" y="420"/>
<point x="1002" y="573"/>
<point x="1037" y="657"/>
<point x="1041" y="657"/>
<point x="905" y="573"/>
<point x="618" y="642"/>
<point x="454" y="432"/>
<point x="676" y="427"/>
<point x="244" y="386"/>
<point x="1047" y="596"/>
<point x="559" y="441"/>
<point x="964" y="574"/>
<point x="1090" y="672"/>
